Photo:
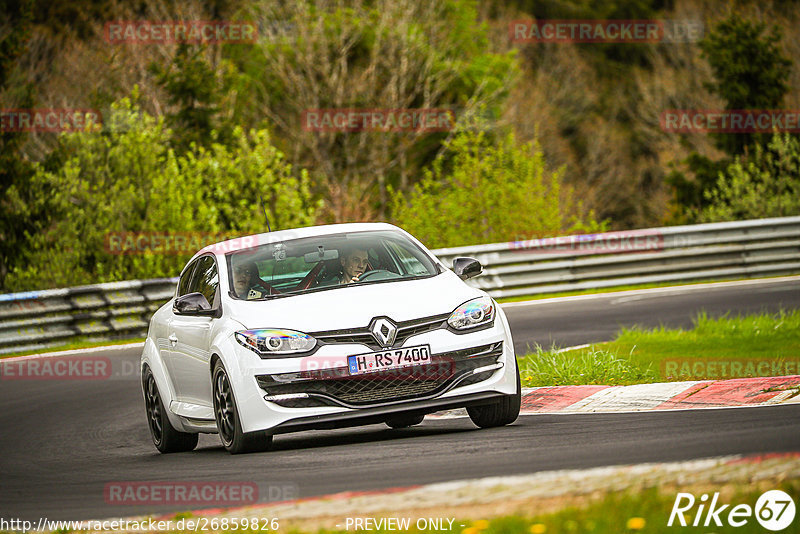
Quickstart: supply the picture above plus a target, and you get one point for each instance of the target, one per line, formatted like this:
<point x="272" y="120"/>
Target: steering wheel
<point x="371" y="274"/>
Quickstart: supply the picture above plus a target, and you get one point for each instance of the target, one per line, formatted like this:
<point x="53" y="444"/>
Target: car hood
<point x="355" y="306"/>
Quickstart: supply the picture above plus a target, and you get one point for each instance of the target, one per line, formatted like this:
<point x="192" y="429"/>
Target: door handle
<point x="173" y="339"/>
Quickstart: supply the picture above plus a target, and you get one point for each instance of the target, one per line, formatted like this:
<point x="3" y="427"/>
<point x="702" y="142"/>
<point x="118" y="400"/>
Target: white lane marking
<point x="636" y="397"/>
<point x="780" y="397"/>
<point x="544" y="482"/>
<point x="461" y="414"/>
<point x="652" y="291"/>
<point x="792" y="400"/>
<point x="458" y="413"/>
<point x="634" y="298"/>
<point x="73" y="352"/>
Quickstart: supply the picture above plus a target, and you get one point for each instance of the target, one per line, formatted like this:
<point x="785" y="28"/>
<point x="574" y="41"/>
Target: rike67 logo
<point x="774" y="510"/>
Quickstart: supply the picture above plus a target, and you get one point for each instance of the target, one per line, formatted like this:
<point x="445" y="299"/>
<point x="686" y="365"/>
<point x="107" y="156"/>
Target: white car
<point x="323" y="327"/>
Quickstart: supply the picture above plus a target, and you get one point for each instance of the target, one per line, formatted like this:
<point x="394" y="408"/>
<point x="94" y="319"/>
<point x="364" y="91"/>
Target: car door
<point x="190" y="336"/>
<point x="167" y="340"/>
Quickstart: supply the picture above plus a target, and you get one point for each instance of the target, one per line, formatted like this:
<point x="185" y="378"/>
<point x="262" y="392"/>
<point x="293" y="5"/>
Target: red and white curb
<point x="661" y="396"/>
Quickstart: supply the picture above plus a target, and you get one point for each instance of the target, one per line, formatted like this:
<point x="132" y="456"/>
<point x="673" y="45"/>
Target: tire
<point x="227" y="417"/>
<point x="500" y="413"/>
<point x="165" y="437"/>
<point x="404" y="420"/>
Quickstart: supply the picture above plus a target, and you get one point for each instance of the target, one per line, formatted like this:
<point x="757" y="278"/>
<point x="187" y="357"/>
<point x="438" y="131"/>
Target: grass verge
<point x="645" y="510"/>
<point x="640" y="511"/>
<point x="74" y="345"/>
<point x="727" y="347"/>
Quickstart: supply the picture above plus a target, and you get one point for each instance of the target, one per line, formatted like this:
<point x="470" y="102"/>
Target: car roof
<point x="245" y="242"/>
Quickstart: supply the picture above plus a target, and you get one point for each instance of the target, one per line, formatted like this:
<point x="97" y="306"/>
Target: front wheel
<point x="404" y="420"/>
<point x="165" y="437"/>
<point x="500" y="413"/>
<point x="228" y="424"/>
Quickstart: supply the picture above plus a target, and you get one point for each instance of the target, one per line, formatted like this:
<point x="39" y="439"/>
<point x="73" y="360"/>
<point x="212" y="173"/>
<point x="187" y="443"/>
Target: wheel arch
<point x="151" y="360"/>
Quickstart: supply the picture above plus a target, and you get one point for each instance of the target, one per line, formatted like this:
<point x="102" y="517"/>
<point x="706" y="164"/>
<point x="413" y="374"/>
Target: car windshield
<point x="327" y="262"/>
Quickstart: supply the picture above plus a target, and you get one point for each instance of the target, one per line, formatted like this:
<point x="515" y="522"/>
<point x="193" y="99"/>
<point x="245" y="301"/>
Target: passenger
<point x="245" y="281"/>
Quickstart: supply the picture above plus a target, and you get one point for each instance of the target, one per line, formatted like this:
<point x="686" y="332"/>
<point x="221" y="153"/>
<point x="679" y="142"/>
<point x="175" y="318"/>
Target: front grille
<point x="337" y="387"/>
<point x="362" y="336"/>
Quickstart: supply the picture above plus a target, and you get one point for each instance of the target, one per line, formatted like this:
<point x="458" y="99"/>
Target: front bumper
<point x="336" y="387"/>
<point x="283" y="395"/>
<point x="378" y="414"/>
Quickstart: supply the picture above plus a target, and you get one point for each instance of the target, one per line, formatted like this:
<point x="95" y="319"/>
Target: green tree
<point x="750" y="72"/>
<point x="766" y="184"/>
<point x="126" y="178"/>
<point x="16" y="216"/>
<point x="479" y="191"/>
<point x="196" y="93"/>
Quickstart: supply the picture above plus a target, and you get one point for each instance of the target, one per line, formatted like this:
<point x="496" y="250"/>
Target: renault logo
<point x="384" y="331"/>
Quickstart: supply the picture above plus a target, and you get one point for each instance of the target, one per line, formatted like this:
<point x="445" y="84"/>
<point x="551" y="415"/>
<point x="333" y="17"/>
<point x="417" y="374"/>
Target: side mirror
<point x="466" y="267"/>
<point x="192" y="303"/>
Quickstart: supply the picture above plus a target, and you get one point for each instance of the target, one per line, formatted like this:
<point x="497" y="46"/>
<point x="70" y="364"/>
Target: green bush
<point x="767" y="184"/>
<point x="127" y="179"/>
<point x="479" y="191"/>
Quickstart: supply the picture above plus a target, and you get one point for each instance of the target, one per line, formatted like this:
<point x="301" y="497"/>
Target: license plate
<point x="388" y="359"/>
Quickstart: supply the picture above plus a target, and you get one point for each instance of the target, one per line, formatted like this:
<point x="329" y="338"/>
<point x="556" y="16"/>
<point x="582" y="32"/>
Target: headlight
<point x="275" y="341"/>
<point x="473" y="313"/>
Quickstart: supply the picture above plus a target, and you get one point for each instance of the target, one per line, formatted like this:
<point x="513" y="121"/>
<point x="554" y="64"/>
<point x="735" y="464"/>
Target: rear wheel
<point x="404" y="420"/>
<point x="499" y="413"/>
<point x="227" y="417"/>
<point x="165" y="437"/>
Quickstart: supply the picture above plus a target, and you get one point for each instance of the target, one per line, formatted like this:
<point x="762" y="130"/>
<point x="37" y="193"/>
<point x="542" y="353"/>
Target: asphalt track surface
<point x="63" y="441"/>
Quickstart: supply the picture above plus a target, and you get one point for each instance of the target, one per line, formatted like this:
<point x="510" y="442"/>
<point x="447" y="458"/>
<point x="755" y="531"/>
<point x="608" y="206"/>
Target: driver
<point x="245" y="281"/>
<point x="354" y="262"/>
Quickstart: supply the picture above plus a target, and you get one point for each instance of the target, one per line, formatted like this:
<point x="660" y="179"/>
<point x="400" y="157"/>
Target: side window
<point x="183" y="283"/>
<point x="205" y="279"/>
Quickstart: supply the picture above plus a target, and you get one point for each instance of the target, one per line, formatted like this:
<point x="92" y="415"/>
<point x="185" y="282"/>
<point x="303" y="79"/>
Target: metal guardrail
<point x="717" y="251"/>
<point x="119" y="310"/>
